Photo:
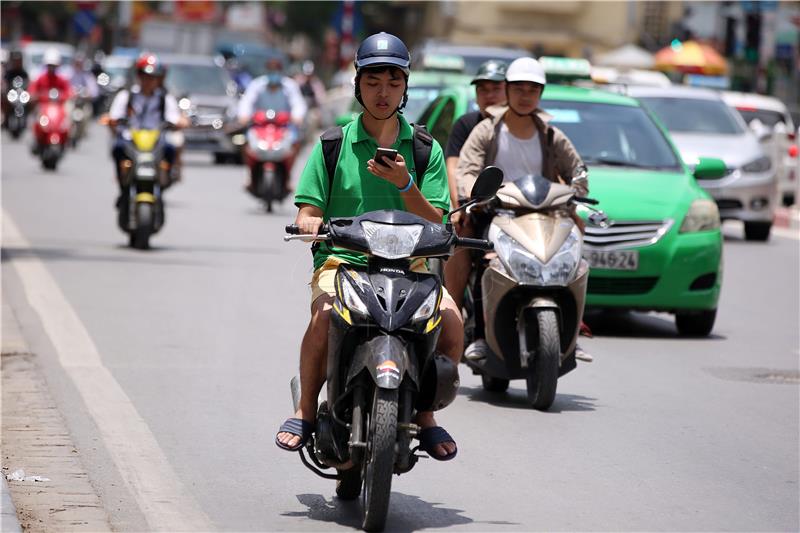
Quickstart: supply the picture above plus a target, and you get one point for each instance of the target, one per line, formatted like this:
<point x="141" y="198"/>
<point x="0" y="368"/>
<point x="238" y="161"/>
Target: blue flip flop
<point x="430" y="437"/>
<point x="298" y="427"/>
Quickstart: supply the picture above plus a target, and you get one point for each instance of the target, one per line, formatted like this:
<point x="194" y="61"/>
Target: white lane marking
<point x="143" y="466"/>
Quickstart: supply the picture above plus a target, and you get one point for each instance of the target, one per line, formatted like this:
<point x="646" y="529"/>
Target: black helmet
<point x="492" y="70"/>
<point x="383" y="49"/>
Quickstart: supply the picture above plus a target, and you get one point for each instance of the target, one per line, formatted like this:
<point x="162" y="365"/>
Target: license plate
<point x="612" y="260"/>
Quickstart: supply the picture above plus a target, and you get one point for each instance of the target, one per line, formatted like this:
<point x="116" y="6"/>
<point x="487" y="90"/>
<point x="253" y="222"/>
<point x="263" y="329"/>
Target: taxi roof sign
<point x="566" y="68"/>
<point x="445" y="62"/>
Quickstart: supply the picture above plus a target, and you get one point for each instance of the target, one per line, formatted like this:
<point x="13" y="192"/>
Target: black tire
<point x="491" y="384"/>
<point x="696" y="324"/>
<point x="542" y="377"/>
<point x="380" y="459"/>
<point x="15" y="133"/>
<point x="220" y="159"/>
<point x="144" y="226"/>
<point x="757" y="231"/>
<point x="268" y="190"/>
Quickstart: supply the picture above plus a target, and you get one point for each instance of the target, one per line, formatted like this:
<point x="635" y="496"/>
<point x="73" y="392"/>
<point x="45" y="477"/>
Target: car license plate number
<point x="612" y="260"/>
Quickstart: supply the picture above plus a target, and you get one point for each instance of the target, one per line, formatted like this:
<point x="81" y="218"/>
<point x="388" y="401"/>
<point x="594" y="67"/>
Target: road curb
<point x="787" y="217"/>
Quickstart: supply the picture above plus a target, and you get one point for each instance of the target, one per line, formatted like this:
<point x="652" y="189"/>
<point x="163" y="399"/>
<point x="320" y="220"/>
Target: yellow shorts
<point x="323" y="280"/>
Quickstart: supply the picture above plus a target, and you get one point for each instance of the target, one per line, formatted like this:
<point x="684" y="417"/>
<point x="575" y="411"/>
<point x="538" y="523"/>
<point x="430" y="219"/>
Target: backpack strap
<point x="162" y="104"/>
<point x="422" y="145"/>
<point x="331" y="141"/>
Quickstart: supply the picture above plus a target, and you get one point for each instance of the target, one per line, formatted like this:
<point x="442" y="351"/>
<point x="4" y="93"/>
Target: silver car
<point x="700" y="123"/>
<point x="208" y="96"/>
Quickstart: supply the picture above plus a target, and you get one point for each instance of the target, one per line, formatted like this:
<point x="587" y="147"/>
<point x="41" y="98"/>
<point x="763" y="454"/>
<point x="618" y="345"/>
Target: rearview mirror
<point x="488" y="183"/>
<point x="710" y="168"/>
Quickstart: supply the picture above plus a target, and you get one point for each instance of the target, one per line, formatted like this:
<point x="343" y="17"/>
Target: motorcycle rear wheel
<point x="268" y="189"/>
<point x="542" y="377"/>
<point x="380" y="459"/>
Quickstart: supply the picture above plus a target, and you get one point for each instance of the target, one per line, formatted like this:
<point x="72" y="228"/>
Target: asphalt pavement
<point x="171" y="369"/>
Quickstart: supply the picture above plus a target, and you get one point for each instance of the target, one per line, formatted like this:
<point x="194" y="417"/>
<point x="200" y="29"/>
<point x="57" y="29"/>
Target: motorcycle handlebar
<point x="478" y="244"/>
<point x="294" y="229"/>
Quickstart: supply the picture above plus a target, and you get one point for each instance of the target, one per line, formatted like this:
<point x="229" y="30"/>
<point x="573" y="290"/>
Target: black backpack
<point x="332" y="147"/>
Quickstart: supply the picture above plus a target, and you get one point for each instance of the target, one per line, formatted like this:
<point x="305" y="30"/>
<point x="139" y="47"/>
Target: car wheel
<point x="697" y="323"/>
<point x="757" y="231"/>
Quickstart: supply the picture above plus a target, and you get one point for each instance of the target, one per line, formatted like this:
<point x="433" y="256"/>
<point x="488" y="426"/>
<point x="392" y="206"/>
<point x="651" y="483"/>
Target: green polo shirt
<point x="356" y="190"/>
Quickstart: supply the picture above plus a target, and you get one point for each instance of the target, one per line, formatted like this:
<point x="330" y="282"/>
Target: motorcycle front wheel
<point x="380" y="459"/>
<point x="144" y="226"/>
<point x="542" y="377"/>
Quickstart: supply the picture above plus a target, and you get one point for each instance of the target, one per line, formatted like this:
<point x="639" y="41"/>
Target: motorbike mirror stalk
<point x="486" y="186"/>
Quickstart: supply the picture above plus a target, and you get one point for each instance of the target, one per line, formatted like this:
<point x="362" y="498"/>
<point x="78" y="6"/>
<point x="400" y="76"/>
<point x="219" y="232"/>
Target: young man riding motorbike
<point x="360" y="185"/>
<point x="146" y="106"/>
<point x="271" y="90"/>
<point x="518" y="140"/>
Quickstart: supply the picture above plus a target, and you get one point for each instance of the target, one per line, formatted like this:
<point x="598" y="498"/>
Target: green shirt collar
<point x="406" y="131"/>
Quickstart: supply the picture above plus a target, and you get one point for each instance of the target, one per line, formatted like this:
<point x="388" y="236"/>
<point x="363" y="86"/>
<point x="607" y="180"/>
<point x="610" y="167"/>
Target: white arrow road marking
<point x="143" y="466"/>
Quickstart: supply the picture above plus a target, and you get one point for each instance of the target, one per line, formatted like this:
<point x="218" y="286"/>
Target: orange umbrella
<point x="691" y="57"/>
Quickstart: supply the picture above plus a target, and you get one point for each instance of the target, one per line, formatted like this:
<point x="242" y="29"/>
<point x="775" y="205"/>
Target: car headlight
<point x="527" y="268"/>
<point x="391" y="241"/>
<point x="352" y="300"/>
<point x="762" y="164"/>
<point x="12" y="96"/>
<point x="427" y="308"/>
<point x="703" y="215"/>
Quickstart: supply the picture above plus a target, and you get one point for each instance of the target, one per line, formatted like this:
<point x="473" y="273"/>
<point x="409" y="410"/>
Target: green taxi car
<point x="662" y="248"/>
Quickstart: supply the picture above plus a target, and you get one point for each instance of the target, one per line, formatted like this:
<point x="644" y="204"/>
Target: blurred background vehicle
<point x="208" y="97"/>
<point x="438" y="55"/>
<point x="701" y="124"/>
<point x="772" y="123"/>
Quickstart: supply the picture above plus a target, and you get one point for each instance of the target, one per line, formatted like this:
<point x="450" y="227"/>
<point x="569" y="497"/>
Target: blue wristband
<point x="407" y="187"/>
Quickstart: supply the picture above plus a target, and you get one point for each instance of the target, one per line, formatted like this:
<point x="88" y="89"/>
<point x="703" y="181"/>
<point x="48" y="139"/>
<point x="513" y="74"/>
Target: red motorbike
<point x="269" y="154"/>
<point x="51" y="129"/>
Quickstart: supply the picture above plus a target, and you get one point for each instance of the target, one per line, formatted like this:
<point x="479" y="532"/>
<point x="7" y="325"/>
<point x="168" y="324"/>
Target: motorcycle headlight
<point x="24" y="97"/>
<point x="703" y="215"/>
<point x="12" y="96"/>
<point x="762" y="164"/>
<point x="427" y="308"/>
<point x="352" y="300"/>
<point x="263" y="145"/>
<point x="391" y="241"/>
<point x="44" y="121"/>
<point x="527" y="268"/>
<point x="103" y="79"/>
<point x="144" y="158"/>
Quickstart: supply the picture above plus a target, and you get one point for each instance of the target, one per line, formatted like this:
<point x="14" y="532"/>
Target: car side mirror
<point x="488" y="183"/>
<point x="710" y="168"/>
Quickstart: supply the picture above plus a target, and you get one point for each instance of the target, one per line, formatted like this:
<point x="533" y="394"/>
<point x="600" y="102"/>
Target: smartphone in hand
<point x="382" y="153"/>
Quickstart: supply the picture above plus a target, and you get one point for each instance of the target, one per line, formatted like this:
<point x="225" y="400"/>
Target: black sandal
<point x="430" y="437"/>
<point x="298" y="427"/>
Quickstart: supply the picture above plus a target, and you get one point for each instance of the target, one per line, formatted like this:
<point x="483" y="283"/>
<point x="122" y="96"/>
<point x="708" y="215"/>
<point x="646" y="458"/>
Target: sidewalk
<point x="12" y="342"/>
<point x="787" y="217"/>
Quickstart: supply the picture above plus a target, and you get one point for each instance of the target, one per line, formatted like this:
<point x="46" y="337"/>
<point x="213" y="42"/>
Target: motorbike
<point x="145" y="176"/>
<point x="526" y="301"/>
<point x="269" y="155"/>
<point x="382" y="364"/>
<point x="51" y="129"/>
<point x="80" y="114"/>
<point x="17" y="97"/>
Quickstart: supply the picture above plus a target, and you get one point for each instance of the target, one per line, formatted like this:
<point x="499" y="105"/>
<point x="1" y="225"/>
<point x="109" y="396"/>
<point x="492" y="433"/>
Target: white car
<point x="702" y="124"/>
<point x="772" y="123"/>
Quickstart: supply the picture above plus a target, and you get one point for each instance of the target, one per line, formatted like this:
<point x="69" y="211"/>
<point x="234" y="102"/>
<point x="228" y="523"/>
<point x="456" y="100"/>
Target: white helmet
<point x="52" y="57"/>
<point x="526" y="69"/>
